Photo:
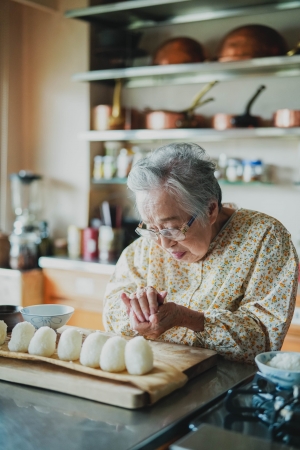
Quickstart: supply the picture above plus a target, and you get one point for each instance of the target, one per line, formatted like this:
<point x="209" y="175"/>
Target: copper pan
<point x="251" y="41"/>
<point x="286" y="118"/>
<point x="164" y="119"/>
<point x="116" y="117"/>
<point x="180" y="50"/>
<point x="222" y="121"/>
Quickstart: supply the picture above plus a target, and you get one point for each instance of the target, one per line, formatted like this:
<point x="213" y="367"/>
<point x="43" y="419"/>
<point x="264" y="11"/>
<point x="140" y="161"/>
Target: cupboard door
<point x="81" y="290"/>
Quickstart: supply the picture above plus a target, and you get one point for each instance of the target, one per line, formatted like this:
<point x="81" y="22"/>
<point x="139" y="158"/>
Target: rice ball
<point x="21" y="336"/>
<point x="91" y="349"/>
<point x="3" y="331"/>
<point x="69" y="345"/>
<point x="112" y="358"/>
<point x="43" y="342"/>
<point x="138" y="356"/>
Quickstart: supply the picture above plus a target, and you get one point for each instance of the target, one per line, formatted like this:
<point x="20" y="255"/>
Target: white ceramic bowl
<point x="53" y="316"/>
<point x="284" y="378"/>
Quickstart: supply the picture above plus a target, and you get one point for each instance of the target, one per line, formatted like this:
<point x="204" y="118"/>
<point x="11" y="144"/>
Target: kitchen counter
<point x="33" y="418"/>
<point x="65" y="263"/>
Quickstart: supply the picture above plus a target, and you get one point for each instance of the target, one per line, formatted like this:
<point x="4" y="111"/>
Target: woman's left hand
<point x="167" y="317"/>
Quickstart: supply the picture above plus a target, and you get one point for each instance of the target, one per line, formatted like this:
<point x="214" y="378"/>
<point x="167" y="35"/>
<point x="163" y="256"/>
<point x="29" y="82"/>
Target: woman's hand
<point x="144" y="302"/>
<point x="169" y="315"/>
<point x="163" y="320"/>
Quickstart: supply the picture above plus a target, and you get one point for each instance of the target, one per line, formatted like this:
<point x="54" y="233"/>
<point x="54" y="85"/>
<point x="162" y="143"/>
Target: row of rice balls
<point x="111" y="354"/>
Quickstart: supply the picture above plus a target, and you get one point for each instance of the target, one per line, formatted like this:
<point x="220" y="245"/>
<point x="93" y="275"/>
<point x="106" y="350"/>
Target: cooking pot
<point x="179" y="50"/>
<point x="286" y="118"/>
<point x="222" y="121"/>
<point x="107" y="117"/>
<point x="164" y="119"/>
<point x="251" y="41"/>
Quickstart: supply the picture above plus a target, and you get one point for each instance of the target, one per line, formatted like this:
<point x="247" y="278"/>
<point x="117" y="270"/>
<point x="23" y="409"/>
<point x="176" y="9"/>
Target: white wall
<point x="48" y="49"/>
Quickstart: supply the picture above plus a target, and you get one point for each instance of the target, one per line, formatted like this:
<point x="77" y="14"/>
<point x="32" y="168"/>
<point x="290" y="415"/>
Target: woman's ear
<point x="213" y="212"/>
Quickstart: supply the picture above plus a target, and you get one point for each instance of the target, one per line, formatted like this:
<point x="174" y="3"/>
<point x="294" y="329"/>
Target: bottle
<point x="90" y="243"/>
<point x="98" y="168"/>
<point x="109" y="167"/>
<point x="252" y="170"/>
<point x="46" y="244"/>
<point x="74" y="241"/>
<point x="123" y="163"/>
<point x="234" y="171"/>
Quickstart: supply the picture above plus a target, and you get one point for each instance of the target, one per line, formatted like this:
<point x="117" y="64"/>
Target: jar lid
<point x="253" y="162"/>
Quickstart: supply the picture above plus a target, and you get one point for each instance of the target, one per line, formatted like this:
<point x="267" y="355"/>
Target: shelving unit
<point x="205" y="134"/>
<point x="136" y="14"/>
<point x="144" y="14"/>
<point x="135" y="77"/>
<point x="104" y="181"/>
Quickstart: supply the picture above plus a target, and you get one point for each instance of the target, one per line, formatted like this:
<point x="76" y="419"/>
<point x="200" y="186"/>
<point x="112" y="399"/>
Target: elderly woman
<point x="202" y="273"/>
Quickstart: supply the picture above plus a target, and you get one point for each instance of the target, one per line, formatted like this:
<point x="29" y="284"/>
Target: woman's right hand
<point x="144" y="302"/>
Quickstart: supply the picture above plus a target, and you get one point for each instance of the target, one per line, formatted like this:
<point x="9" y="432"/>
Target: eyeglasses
<point x="174" y="234"/>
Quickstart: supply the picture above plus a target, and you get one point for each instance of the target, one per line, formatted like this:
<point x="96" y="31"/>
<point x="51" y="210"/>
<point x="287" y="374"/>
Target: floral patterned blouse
<point x="246" y="287"/>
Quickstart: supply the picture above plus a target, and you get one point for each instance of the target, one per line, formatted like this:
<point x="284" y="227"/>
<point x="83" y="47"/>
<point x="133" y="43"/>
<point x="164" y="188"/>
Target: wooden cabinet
<point x="21" y="288"/>
<point x="81" y="290"/>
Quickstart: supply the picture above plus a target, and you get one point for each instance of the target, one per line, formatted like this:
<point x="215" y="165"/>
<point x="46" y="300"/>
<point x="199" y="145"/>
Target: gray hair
<point x="185" y="171"/>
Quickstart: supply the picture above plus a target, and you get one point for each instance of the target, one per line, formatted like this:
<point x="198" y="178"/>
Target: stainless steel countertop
<point x="32" y="418"/>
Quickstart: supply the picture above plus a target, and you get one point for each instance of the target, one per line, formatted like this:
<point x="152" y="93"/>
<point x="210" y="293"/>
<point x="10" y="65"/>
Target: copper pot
<point x="179" y="50"/>
<point x="163" y="119"/>
<point x="251" y="41"/>
<point x="222" y="121"/>
<point x="286" y="118"/>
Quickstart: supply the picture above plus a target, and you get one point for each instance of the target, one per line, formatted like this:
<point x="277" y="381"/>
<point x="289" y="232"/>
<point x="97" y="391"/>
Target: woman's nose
<point x="166" y="243"/>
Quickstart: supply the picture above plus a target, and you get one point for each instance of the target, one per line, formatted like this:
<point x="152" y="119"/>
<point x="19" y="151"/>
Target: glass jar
<point x="74" y="241"/>
<point x="109" y="167"/>
<point x="23" y="250"/>
<point x="252" y="170"/>
<point x="98" y="168"/>
<point x="234" y="170"/>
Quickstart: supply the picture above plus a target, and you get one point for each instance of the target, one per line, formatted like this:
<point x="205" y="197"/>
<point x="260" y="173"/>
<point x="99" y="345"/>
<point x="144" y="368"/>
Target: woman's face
<point x="159" y="210"/>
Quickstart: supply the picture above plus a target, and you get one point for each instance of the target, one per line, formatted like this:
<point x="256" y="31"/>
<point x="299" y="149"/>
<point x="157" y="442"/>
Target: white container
<point x="74" y="241"/>
<point x="98" y="168"/>
<point x="123" y="163"/>
<point x="109" y="167"/>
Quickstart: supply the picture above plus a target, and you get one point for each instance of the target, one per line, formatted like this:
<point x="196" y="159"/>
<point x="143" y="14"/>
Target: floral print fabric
<point x="246" y="287"/>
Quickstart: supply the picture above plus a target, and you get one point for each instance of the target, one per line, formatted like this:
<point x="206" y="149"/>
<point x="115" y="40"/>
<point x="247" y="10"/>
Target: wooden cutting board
<point x="174" y="365"/>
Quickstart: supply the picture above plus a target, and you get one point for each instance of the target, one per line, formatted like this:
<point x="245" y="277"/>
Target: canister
<point x="90" y="243"/>
<point x="74" y="241"/>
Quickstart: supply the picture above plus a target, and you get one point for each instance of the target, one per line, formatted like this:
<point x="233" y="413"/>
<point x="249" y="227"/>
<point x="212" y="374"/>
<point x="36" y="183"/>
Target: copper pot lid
<point x="251" y="41"/>
<point x="179" y="50"/>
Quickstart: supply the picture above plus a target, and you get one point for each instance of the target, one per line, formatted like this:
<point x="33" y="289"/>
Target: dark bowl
<point x="11" y="315"/>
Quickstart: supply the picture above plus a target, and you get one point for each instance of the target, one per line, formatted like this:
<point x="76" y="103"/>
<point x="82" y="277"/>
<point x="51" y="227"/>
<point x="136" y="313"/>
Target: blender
<point x="27" y="204"/>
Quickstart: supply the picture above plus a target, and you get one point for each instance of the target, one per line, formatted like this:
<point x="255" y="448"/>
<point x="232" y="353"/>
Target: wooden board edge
<point x="128" y="396"/>
<point x="206" y="364"/>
